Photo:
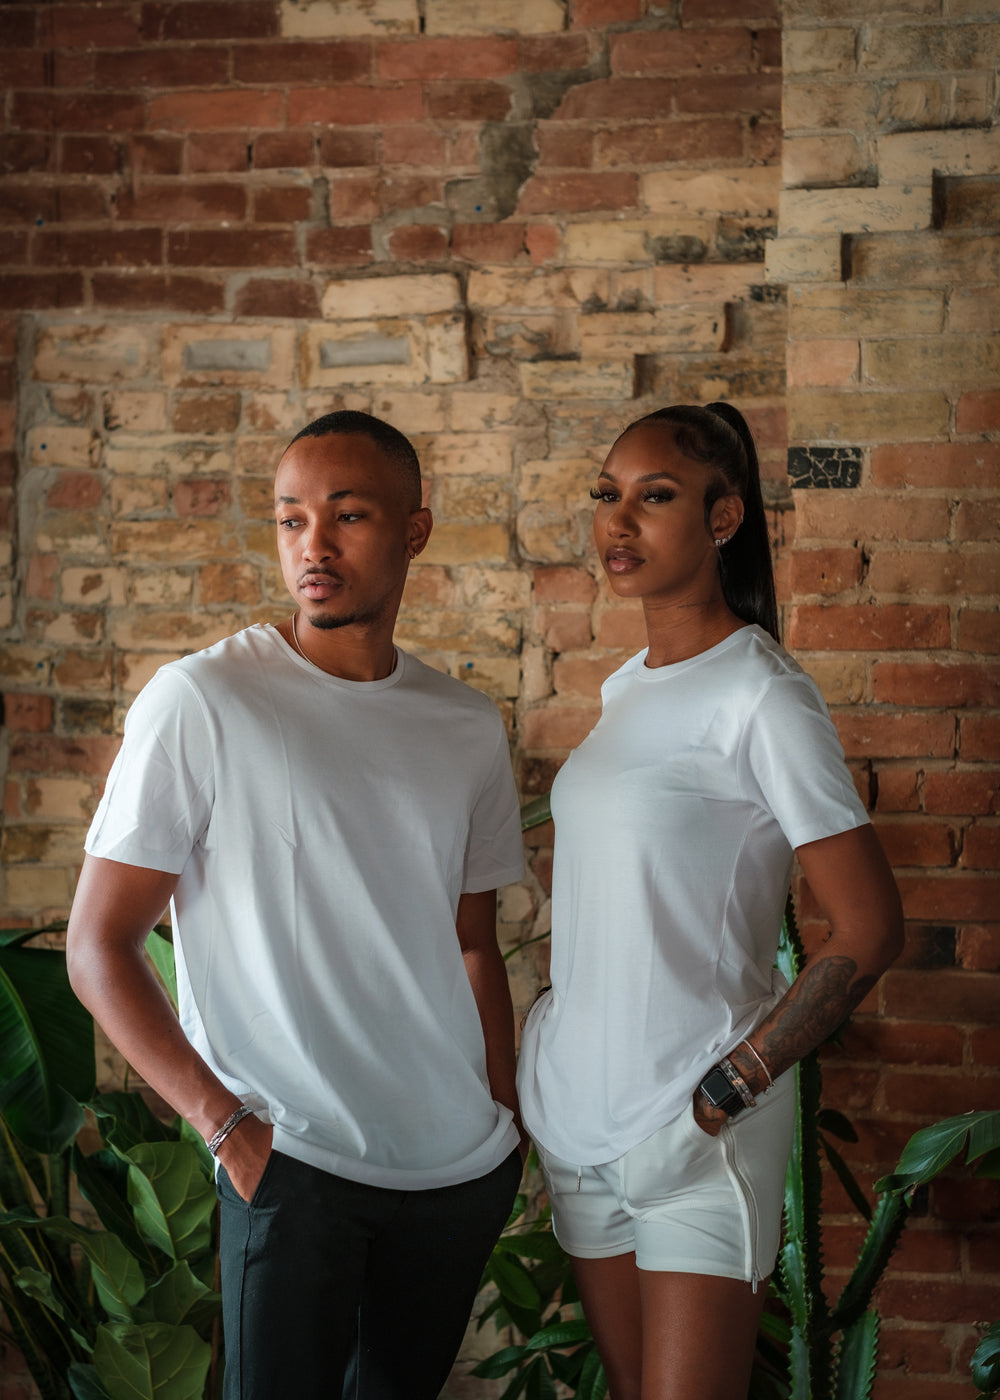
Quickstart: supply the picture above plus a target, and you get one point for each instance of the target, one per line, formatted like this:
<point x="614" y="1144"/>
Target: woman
<point x="653" y="1074"/>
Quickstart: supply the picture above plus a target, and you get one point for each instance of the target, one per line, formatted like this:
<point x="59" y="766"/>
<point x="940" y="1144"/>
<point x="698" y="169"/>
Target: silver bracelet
<point x="738" y="1082"/>
<point x="217" y="1139"/>
<point x="753" y="1052"/>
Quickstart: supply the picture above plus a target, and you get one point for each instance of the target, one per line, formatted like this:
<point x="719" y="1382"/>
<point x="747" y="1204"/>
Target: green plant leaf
<point x="116" y="1274"/>
<point x="534" y="1244"/>
<point x="560" y="1334"/>
<point x="856" y="1359"/>
<point x="831" y="1121"/>
<point x="46" y="1049"/>
<point x="41" y="1286"/>
<point x="931" y="1149"/>
<point x="85" y="1383"/>
<point x="126" y="1120"/>
<point x="539" y="1384"/>
<point x="151" y="1362"/>
<point x="499" y="1363"/>
<point x="160" y="951"/>
<point x="888" y="1219"/>
<point x="985" y="1360"/>
<point x="536" y="812"/>
<point x="103" y="1181"/>
<point x="593" y="1383"/>
<point x="172" y="1199"/>
<point x="514" y="1282"/>
<point x="179" y="1297"/>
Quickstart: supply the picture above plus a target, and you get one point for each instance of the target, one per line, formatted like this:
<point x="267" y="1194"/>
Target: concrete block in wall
<point x="400" y="352"/>
<point x="236" y="354"/>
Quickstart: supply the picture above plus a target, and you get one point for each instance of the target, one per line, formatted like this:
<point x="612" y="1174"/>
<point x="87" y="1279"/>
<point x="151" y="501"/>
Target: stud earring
<point x="720" y="543"/>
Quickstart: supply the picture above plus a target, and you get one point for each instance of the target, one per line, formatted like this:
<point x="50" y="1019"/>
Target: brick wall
<point x="510" y="229"/>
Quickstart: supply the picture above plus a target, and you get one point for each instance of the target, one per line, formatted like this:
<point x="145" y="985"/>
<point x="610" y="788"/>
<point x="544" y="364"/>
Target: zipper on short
<point x="729" y="1152"/>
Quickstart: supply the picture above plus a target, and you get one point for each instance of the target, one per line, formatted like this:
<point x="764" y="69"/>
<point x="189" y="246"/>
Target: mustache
<point x="319" y="573"/>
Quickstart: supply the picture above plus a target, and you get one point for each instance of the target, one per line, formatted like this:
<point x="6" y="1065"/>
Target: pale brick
<point x="536" y="673"/>
<point x="909" y="155"/>
<point x="683" y="283"/>
<point x="447" y="350"/>
<point x="883" y="210"/>
<point x="51" y="843"/>
<point x="458" y="631"/>
<point x="974" y="309"/>
<point x="963" y="361"/>
<point x="498" y="17"/>
<point x="340" y="19"/>
<point x="239" y="355"/>
<point x="94" y="354"/>
<point x="136" y="669"/>
<point x="615" y="241"/>
<point x="72" y="628"/>
<point x="273" y="413"/>
<point x="495" y="288"/>
<point x="747" y="191"/>
<point x="548" y="536"/>
<point x="69" y="535"/>
<point x="929" y="47"/>
<point x="171" y="455"/>
<point x="829" y="51"/>
<point x="819" y="161"/>
<point x="699" y="329"/>
<point x="911" y="102"/>
<point x="467" y="544"/>
<point x="472" y="409"/>
<point x="823" y="363"/>
<point x="135" y="411"/>
<point x="374" y="298"/>
<point x="558" y="481"/>
<point x="497" y="676"/>
<point x="465" y="454"/>
<point x="153" y="631"/>
<point x="411" y="413"/>
<point x="90" y="586"/>
<point x="59" y="799"/>
<point x="161" y="587"/>
<point x="849" y="106"/>
<point x="810" y="259"/>
<point x="38" y="888"/>
<point x="838" y="311"/>
<point x="844" y="679"/>
<point x="52" y="446"/>
<point x="578" y="379"/>
<point x="505" y="589"/>
<point x="171" y="541"/>
<point x="457" y="498"/>
<point x="866" y="417"/>
<point x="138" y="495"/>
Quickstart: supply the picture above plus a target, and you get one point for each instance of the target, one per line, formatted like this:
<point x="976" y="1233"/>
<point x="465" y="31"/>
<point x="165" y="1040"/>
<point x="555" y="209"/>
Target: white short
<point x="683" y="1201"/>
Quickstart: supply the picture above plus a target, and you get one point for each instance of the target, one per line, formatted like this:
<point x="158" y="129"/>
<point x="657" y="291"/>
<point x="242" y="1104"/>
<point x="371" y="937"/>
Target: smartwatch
<point x="721" y="1092"/>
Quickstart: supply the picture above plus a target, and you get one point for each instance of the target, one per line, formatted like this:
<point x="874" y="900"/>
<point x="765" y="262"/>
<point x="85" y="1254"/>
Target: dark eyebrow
<point x="333" y="496"/>
<point x="650" y="476"/>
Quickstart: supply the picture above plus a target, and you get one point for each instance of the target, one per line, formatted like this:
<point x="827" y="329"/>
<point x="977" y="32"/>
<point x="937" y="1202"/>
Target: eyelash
<point x="660" y="494"/>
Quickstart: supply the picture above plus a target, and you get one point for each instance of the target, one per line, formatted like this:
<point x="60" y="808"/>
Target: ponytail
<point x="719" y="436"/>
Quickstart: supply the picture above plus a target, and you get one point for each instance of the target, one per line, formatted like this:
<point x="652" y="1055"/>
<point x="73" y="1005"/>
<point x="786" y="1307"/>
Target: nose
<point x="317" y="544"/>
<point x="619" y="522"/>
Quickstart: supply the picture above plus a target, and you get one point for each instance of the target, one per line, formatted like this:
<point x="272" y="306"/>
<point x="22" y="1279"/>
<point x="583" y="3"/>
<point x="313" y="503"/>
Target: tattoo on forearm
<point x="821" y="999"/>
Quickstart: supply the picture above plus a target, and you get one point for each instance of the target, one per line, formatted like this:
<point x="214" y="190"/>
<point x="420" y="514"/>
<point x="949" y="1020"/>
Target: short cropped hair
<point x="398" y="450"/>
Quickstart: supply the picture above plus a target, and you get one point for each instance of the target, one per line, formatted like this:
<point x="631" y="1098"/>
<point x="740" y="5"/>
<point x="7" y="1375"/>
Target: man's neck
<point x="356" y="652"/>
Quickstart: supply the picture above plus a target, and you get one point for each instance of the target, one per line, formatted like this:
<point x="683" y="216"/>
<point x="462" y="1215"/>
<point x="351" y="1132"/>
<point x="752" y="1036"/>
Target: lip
<point x="319" y="584"/>
<point x="621" y="561"/>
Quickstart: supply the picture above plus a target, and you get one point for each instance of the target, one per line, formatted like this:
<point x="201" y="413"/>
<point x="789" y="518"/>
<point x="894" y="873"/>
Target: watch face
<point x="718" y="1090"/>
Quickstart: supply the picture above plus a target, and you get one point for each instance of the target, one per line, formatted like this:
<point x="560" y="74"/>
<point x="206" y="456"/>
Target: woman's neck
<point x="679" y="631"/>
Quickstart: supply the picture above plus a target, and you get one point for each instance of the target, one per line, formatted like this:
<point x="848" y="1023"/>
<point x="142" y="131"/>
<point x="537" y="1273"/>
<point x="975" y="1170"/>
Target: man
<point x="329" y="819"/>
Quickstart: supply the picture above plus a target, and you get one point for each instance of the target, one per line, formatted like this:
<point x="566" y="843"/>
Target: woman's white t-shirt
<point x="323" y="831"/>
<point x="676" y="822"/>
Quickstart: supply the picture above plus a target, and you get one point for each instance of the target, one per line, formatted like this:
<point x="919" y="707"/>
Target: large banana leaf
<point x="931" y="1149"/>
<point x="46" y="1048"/>
<point x="117" y="1276"/>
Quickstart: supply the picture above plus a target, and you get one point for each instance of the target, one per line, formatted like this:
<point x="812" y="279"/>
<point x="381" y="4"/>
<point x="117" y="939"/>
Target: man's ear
<point x="421" y="524"/>
<point x="725" y="517"/>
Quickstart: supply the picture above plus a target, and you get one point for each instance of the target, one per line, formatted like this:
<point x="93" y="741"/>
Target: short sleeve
<point x="158" y="800"/>
<point x="791" y="762"/>
<point x="495" y="849"/>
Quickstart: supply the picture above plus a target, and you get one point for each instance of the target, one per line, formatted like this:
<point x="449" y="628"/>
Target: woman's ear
<point x="725" y="518"/>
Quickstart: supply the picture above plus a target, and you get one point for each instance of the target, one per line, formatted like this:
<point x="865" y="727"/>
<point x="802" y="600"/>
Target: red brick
<point x="964" y="1201"/>
<point x="94" y="112"/>
<point x="865" y="732"/>
<point x="410" y="191"/>
<point x="972" y="792"/>
<point x="40" y="291"/>
<point x="469" y="102"/>
<point x="345" y="148"/>
<point x="755" y="93"/>
<point x="51" y="754"/>
<point x="89" y="26"/>
<point x="559" y="726"/>
<point x="931" y="1301"/>
<point x="542" y="242"/>
<point x="346" y="61"/>
<point x="419" y="243"/>
<point x="22" y="68"/>
<point x="898" y="790"/>
<point x="278" y="296"/>
<point x="563" y="630"/>
<point x="544" y="53"/>
<point x="283" y="148"/>
<point x="944" y="994"/>
<point x="650" y="143"/>
<point x="22" y="154"/>
<point x="676" y="51"/>
<point x="206" y="111"/>
<point x="352" y="198"/>
<point x="206" y="19"/>
<point x="162" y="67"/>
<point x="978" y="411"/>
<point x="81" y="204"/>
<point x="178" y="201"/>
<point x="26" y="205"/>
<point x="217" y="412"/>
<point x="985" y="1045"/>
<point x="706" y="11"/>
<point x="429" y="58"/>
<point x="282" y="204"/>
<point x="937" y="464"/>
<point x="592" y="12"/>
<point x="561" y="583"/>
<point x="142" y="292"/>
<point x="488" y="243"/>
<point x="89" y="155"/>
<point x="20" y="27"/>
<point x="27" y="712"/>
<point x="821" y="627"/>
<point x="201" y="496"/>
<point x="155" y="155"/>
<point x="927" y="1252"/>
<point x="43" y="574"/>
<point x="979" y="737"/>
<point x="917" y="843"/>
<point x="979" y="630"/>
<point x="984" y="1249"/>
<point x="979" y="946"/>
<point x="545" y="194"/>
<point x="927" y="573"/>
<point x="355" y="106"/>
<point x="583" y="676"/>
<point x="217" y="152"/>
<point x="75" y="491"/>
<point x="330" y="246"/>
<point x="915" y="1349"/>
<point x="13" y="249"/>
<point x="974" y="522"/>
<point x="562" y="145"/>
<point x="617" y="99"/>
<point x="902" y="1043"/>
<point x="936" y="684"/>
<point x="99" y="248"/>
<point x="918" y="1388"/>
<point x="250" y="247"/>
<point x="940" y="1094"/>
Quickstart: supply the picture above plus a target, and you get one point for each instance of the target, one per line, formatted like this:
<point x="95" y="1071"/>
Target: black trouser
<point x="332" y="1289"/>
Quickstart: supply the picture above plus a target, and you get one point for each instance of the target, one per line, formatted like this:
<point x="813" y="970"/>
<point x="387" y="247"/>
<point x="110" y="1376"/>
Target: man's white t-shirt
<point x="676" y="821"/>
<point x="323" y="831"/>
